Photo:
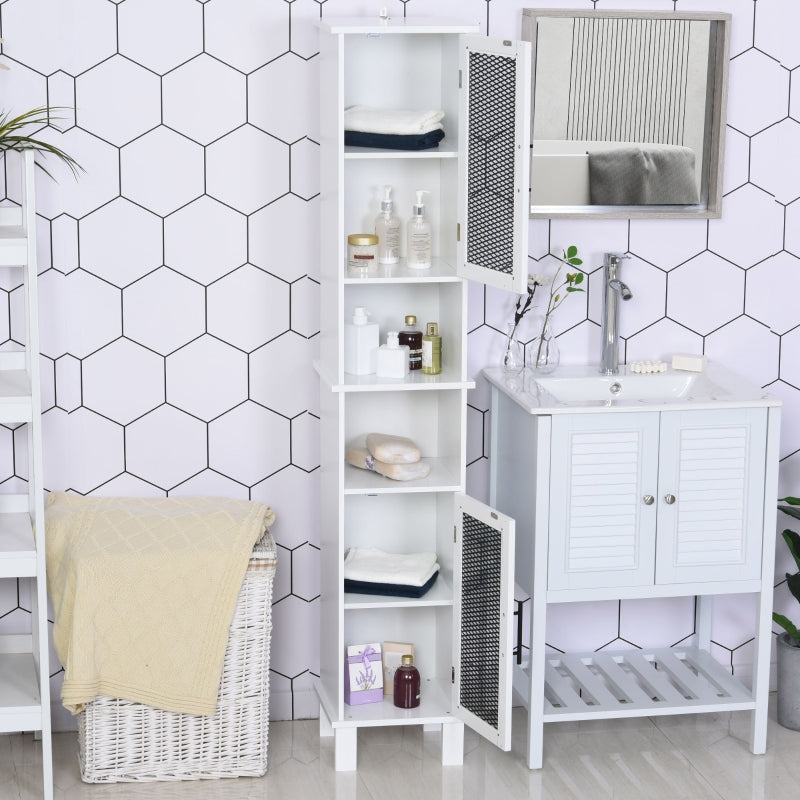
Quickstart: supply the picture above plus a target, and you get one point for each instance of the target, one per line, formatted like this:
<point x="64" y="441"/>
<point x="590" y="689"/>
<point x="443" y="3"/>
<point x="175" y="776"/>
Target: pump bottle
<point x="361" y="340"/>
<point x="420" y="237"/>
<point x="387" y="227"/>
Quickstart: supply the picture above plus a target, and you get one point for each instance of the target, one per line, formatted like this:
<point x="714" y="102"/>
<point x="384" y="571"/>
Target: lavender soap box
<point x="363" y="674"/>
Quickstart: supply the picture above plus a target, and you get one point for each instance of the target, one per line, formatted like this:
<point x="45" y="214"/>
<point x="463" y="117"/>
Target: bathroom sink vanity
<point x="637" y="486"/>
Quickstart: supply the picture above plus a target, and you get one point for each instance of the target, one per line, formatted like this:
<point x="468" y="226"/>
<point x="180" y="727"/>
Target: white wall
<point x="179" y="275"/>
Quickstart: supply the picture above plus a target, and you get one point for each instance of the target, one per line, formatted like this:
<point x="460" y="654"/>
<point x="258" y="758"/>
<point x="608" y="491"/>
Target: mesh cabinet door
<point x="494" y="142"/>
<point x="482" y="619"/>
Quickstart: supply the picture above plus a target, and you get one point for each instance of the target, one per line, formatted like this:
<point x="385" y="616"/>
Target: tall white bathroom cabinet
<point x="24" y="673"/>
<point x="478" y="206"/>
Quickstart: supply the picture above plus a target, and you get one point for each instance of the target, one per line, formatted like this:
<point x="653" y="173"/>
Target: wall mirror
<point x="628" y="112"/>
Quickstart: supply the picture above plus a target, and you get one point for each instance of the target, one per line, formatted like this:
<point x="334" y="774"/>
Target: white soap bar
<point x="689" y="362"/>
<point x="392" y="449"/>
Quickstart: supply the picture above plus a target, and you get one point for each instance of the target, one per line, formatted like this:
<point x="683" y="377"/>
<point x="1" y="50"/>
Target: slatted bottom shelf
<point x="639" y="683"/>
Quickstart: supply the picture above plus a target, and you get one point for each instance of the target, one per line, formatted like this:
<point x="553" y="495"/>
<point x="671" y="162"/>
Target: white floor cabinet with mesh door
<point x="476" y="178"/>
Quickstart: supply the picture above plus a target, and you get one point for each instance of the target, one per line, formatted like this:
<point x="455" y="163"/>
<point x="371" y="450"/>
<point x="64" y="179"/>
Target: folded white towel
<point x="376" y="566"/>
<point x="397" y="121"/>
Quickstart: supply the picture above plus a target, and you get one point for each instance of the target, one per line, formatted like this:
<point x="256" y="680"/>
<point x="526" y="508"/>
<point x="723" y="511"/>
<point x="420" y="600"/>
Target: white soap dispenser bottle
<point x="420" y="237"/>
<point x="387" y="228"/>
<point x="361" y="340"/>
<point x="392" y="358"/>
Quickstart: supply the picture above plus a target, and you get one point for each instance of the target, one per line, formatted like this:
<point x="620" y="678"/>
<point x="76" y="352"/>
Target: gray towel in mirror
<point x="647" y="174"/>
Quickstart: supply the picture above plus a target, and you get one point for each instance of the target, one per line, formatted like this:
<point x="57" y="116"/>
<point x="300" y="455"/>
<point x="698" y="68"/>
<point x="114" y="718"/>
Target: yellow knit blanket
<point x="144" y="591"/>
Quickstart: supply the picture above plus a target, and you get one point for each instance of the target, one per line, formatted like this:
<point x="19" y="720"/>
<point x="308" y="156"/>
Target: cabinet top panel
<point x="396" y="25"/>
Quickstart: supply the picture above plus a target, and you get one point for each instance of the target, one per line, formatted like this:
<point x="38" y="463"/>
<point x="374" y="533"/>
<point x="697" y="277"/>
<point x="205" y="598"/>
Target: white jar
<point x="362" y="251"/>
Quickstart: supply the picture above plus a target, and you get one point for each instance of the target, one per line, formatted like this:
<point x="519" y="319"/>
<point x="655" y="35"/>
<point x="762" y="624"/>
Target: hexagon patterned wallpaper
<point x="179" y="291"/>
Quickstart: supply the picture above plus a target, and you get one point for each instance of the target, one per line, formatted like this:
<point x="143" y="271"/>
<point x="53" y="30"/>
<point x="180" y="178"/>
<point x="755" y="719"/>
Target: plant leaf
<point x="572" y="251"/>
<point x="787" y="625"/>
<point x="792" y="540"/>
<point x="576" y="262"/>
<point x="793" y="582"/>
<point x="792" y="511"/>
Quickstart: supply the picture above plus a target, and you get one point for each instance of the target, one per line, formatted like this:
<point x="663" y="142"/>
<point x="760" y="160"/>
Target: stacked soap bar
<point x="394" y="457"/>
<point x="647" y="366"/>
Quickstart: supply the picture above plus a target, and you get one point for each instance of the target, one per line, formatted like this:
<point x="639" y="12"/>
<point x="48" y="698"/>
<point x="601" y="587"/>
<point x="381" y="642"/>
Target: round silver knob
<point x="615" y="388"/>
<point x="648" y="499"/>
<point x="669" y="499"/>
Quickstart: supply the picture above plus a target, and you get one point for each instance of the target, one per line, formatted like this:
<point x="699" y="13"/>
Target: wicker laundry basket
<point x="119" y="740"/>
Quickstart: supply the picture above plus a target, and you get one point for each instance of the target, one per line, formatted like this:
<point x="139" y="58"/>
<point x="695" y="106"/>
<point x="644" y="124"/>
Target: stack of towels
<point x="365" y="126"/>
<point x="395" y="457"/>
<point x="368" y="570"/>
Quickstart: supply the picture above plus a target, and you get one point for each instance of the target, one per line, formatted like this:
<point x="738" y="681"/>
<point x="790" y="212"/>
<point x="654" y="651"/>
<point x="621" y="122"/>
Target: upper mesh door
<point x="483" y="620"/>
<point x="495" y="79"/>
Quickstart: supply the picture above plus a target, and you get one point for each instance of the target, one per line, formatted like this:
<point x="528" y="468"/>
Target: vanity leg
<point x="346" y="749"/>
<point x="325" y="727"/>
<point x="763" y="651"/>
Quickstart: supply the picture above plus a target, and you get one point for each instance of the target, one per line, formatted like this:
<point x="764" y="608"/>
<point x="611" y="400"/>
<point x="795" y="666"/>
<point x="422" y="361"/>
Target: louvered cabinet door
<point x="711" y="495"/>
<point x="602" y="513"/>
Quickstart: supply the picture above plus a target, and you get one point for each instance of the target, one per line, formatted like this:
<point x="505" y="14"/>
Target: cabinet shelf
<point x="639" y="683"/>
<point x="13" y="246"/>
<point x="444" y="477"/>
<point x="20" y="706"/>
<point x="440" y="271"/>
<point x="15" y="396"/>
<point x="434" y="707"/>
<point x="416" y="381"/>
<point x="440" y="594"/>
<point x="17" y="548"/>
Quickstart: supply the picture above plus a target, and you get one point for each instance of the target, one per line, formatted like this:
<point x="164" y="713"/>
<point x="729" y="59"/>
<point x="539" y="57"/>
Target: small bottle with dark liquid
<point x="406" y="684"/>
<point x="411" y="336"/>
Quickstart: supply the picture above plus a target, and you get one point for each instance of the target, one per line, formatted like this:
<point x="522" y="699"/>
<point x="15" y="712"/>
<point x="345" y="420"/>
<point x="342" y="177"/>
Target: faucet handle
<point x="612" y="259"/>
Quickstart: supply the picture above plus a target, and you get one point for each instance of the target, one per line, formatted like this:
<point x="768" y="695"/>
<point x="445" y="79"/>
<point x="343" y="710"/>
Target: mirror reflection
<point x="627" y="113"/>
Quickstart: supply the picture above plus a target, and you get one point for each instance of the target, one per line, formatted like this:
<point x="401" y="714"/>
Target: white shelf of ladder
<point x="24" y="660"/>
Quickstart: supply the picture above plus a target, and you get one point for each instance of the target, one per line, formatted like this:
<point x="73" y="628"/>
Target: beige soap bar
<point x="361" y="457"/>
<point x="392" y="449"/>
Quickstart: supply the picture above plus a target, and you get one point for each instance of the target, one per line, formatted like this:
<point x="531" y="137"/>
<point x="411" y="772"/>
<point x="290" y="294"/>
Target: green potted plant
<point x="789" y="642"/>
<point x="13" y="138"/>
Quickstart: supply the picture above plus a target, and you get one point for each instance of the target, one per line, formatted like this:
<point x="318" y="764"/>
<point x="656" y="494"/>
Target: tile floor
<point x="701" y="757"/>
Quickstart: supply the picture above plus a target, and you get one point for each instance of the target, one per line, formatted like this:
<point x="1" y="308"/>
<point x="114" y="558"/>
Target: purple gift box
<point x="363" y="674"/>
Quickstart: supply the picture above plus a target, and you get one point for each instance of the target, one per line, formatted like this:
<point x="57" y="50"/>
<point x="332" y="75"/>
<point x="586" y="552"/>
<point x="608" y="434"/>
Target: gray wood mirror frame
<point x="628" y="112"/>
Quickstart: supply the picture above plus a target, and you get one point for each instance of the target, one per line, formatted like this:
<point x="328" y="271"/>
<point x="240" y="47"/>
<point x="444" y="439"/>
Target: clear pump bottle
<point x="387" y="228"/>
<point x="419" y="248"/>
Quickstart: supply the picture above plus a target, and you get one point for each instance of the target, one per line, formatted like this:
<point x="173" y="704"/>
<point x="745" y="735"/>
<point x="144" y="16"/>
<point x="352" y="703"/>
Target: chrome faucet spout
<point x="614" y="289"/>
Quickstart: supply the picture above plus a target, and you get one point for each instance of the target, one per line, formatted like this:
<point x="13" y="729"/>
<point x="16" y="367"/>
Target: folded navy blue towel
<point x="391" y="141"/>
<point x="390" y="589"/>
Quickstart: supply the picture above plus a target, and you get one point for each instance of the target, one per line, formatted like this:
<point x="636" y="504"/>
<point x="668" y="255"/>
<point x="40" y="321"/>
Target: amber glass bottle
<point x="411" y="335"/>
<point x="406" y="684"/>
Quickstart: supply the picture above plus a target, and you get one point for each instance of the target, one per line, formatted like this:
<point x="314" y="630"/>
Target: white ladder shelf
<point x="24" y="658"/>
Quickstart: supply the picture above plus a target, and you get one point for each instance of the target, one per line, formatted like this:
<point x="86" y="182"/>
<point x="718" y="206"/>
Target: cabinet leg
<point x="346" y="749"/>
<point x="453" y="744"/>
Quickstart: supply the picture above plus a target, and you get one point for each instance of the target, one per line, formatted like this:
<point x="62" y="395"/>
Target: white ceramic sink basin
<point x="655" y="387"/>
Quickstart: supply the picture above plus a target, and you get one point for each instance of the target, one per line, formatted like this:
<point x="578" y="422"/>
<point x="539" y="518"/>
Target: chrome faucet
<point x="615" y="288"/>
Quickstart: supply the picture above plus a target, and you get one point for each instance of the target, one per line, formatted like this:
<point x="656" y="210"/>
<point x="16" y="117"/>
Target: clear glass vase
<point x="543" y="353"/>
<point x="513" y="360"/>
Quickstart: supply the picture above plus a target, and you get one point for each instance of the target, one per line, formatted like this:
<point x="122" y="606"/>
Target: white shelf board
<point x="608" y="685"/>
<point x="20" y="709"/>
<point x="444" y="477"/>
<point x="15" y="396"/>
<point x="440" y="271"/>
<point x="416" y="381"/>
<point x="434" y="708"/>
<point x="446" y="149"/>
<point x="440" y="594"/>
<point x="17" y="548"/>
<point x="13" y="246"/>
